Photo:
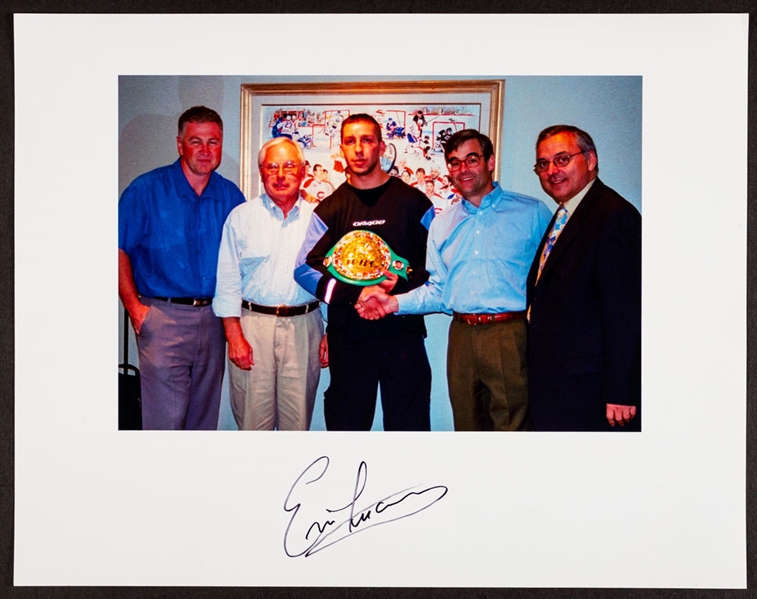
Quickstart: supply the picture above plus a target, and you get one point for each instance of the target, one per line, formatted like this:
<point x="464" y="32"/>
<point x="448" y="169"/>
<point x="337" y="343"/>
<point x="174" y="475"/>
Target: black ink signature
<point x="325" y="531"/>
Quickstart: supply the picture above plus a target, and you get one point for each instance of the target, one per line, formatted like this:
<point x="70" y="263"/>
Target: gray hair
<point x="277" y="141"/>
<point x="583" y="139"/>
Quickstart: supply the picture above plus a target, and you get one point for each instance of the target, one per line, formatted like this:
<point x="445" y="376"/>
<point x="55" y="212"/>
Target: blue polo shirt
<point x="171" y="234"/>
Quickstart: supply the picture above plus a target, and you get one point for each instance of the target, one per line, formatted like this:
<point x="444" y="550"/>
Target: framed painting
<point x="415" y="117"/>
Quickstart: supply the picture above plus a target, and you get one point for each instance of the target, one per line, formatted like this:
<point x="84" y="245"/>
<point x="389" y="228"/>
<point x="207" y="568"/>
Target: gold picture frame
<point x="456" y="103"/>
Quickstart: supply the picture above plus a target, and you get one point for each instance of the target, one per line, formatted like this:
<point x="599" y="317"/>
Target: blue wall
<point x="609" y="108"/>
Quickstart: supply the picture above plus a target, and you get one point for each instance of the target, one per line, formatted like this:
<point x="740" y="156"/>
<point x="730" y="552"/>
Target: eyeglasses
<point x="290" y="168"/>
<point x="471" y="160"/>
<point x="560" y="161"/>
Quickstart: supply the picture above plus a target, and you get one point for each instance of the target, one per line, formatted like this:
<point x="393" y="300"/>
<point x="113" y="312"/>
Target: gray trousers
<point x="181" y="360"/>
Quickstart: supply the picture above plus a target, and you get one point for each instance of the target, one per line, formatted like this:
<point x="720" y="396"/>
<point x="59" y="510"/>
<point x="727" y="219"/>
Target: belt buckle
<point x="278" y="312"/>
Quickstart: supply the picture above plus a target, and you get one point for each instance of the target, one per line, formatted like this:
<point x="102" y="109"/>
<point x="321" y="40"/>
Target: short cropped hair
<point x="361" y="117"/>
<point x="459" y="138"/>
<point x="200" y="114"/>
<point x="583" y="139"/>
<point x="277" y="141"/>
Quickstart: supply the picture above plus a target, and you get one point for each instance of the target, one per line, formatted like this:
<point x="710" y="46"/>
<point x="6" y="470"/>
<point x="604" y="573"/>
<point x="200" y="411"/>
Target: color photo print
<point x="414" y="136"/>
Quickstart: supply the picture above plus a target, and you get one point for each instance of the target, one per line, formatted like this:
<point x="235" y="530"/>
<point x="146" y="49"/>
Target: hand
<point x="390" y="281"/>
<point x="371" y="308"/>
<point x="138" y="317"/>
<point x="366" y="306"/>
<point x="374" y="303"/>
<point x="323" y="351"/>
<point x="620" y="414"/>
<point x="240" y="353"/>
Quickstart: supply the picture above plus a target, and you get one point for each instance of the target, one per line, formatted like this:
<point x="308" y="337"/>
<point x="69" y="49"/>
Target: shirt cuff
<point x="407" y="303"/>
<point x="225" y="307"/>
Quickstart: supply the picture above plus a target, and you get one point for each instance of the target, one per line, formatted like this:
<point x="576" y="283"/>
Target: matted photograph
<point x="382" y="472"/>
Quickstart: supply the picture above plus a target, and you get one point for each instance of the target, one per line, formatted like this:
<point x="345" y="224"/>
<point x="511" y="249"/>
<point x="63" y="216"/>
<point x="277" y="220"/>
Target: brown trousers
<point x="487" y="376"/>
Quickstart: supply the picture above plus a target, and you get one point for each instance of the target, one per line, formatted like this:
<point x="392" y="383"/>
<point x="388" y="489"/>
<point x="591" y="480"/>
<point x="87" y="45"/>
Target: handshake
<point x="375" y="302"/>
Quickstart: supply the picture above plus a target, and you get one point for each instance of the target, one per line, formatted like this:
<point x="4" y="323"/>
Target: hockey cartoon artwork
<point x="413" y="135"/>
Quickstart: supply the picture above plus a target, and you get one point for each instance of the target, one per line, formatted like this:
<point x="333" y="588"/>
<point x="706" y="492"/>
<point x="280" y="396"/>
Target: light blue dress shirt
<point x="257" y="255"/>
<point x="478" y="258"/>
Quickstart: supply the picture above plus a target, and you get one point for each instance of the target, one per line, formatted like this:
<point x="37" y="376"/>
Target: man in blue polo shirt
<point x="169" y="231"/>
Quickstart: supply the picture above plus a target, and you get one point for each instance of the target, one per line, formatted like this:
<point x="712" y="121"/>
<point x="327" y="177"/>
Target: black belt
<point x="280" y="310"/>
<point x="198" y="302"/>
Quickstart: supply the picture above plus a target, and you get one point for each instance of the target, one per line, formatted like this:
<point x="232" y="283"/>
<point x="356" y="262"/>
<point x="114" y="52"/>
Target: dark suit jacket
<point x="585" y="325"/>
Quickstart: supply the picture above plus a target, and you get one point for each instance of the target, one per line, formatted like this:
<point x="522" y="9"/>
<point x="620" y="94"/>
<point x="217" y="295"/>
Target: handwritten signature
<point x="326" y="530"/>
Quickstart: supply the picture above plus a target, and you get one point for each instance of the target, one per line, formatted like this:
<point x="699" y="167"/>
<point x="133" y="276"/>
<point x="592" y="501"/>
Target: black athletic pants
<point x="398" y="364"/>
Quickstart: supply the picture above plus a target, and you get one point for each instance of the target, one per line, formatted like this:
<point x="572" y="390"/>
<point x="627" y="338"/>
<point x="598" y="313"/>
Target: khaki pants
<point x="279" y="391"/>
<point x="486" y="376"/>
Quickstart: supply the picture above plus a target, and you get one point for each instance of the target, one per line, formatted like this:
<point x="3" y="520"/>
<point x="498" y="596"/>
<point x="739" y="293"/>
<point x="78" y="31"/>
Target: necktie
<point x="557" y="227"/>
<point x="560" y="219"/>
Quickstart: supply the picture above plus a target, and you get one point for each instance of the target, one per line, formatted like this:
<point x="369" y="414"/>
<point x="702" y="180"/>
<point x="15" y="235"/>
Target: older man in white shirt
<point x="273" y="327"/>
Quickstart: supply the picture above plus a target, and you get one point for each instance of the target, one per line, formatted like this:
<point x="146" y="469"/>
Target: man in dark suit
<point x="584" y="295"/>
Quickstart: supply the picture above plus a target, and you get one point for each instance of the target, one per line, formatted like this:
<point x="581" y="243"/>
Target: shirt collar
<point x="185" y="189"/>
<point x="277" y="212"/>
<point x="573" y="202"/>
<point x="488" y="201"/>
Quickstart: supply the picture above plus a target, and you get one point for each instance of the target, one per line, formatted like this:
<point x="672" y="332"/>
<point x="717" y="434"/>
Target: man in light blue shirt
<point x="478" y="257"/>
<point x="273" y="327"/>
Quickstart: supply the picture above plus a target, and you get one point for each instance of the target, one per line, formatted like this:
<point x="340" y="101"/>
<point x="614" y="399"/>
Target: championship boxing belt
<point x="362" y="257"/>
